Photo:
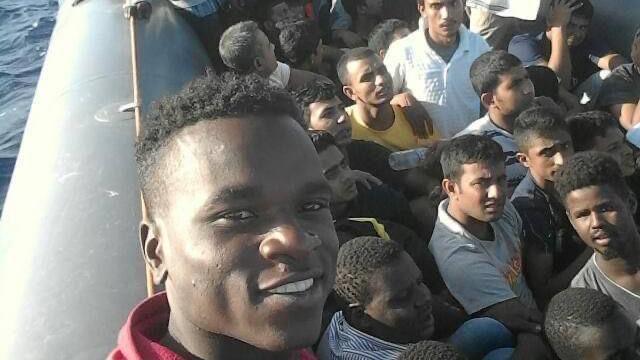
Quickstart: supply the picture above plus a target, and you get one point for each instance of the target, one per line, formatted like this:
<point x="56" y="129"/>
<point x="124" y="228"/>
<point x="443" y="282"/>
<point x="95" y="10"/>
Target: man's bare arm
<point x="628" y="114"/>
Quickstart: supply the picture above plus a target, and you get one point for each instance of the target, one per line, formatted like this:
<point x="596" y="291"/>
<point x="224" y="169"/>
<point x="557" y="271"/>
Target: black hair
<point x="585" y="11"/>
<point x="585" y="127"/>
<point x="239" y="46"/>
<point x="486" y="70"/>
<point x="299" y="40"/>
<point x="321" y="140"/>
<point x="568" y="315"/>
<point x="590" y="168"/>
<point x="207" y="98"/>
<point x="431" y="350"/>
<point x="356" y="54"/>
<point x="534" y="123"/>
<point x="314" y="91"/>
<point x="469" y="149"/>
<point x="358" y="259"/>
<point x="382" y="34"/>
<point x="545" y="81"/>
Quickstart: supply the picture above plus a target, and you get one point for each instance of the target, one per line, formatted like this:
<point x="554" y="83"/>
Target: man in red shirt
<point x="238" y="228"/>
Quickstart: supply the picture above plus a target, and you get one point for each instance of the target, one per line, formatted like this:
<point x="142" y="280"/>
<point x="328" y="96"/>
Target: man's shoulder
<point x="626" y="73"/>
<point x="587" y="276"/>
<point x="478" y="127"/>
<point x="526" y="194"/>
<point x="476" y="42"/>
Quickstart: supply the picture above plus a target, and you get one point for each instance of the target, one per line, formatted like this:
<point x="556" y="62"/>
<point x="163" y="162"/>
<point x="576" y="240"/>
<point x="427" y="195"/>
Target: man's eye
<point x="238" y="215"/>
<point x="314" y="206"/>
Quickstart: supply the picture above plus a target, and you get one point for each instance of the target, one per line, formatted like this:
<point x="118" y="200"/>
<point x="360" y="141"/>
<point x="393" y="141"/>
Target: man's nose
<point x="444" y="12"/>
<point x="494" y="191"/>
<point x="288" y="243"/>
<point x="558" y="159"/>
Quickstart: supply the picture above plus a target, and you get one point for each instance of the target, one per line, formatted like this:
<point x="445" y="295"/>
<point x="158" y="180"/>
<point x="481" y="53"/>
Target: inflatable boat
<point x="70" y="259"/>
<point x="70" y="262"/>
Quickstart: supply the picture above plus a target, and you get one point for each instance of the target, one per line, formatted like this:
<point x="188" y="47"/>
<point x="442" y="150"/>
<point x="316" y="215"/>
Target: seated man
<point x="567" y="49"/>
<point x="476" y="240"/>
<point x="348" y="201"/>
<point x="600" y="207"/>
<point x="621" y="91"/>
<point x="246" y="262"/>
<point x="366" y="81"/>
<point x="385" y="34"/>
<point x="552" y="251"/>
<point x="433" y="64"/>
<point x="505" y="90"/>
<point x="386" y="306"/>
<point x="586" y="324"/>
<point x="245" y="49"/>
<point x="429" y="350"/>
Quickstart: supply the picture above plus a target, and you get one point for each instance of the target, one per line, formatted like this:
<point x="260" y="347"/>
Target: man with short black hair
<point x="246" y="262"/>
<point x="348" y="200"/>
<point x="599" y="131"/>
<point x="300" y="44"/>
<point x="552" y="251"/>
<point x="586" y="324"/>
<point x="476" y="240"/>
<point x="505" y="90"/>
<point x="386" y="33"/>
<point x="366" y="81"/>
<point x="600" y="207"/>
<point x="245" y="49"/>
<point x="433" y="63"/>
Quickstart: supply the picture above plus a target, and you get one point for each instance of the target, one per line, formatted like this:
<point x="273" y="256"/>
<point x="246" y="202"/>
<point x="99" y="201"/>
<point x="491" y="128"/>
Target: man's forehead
<point x="483" y="169"/>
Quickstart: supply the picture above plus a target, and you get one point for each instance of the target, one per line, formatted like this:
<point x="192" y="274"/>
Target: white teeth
<point x="295" y="287"/>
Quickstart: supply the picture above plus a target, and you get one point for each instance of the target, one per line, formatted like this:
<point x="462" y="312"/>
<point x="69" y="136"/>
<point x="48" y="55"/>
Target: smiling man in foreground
<point x="238" y="228"/>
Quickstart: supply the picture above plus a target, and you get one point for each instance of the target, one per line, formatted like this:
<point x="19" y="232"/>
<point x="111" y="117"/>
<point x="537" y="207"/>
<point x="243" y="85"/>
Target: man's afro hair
<point x="207" y="98"/>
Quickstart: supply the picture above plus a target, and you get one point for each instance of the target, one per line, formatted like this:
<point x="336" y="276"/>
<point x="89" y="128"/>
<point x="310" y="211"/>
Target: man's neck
<point x="505" y="122"/>
<point x="480" y="229"/>
<point x="624" y="270"/>
<point x="376" y="117"/>
<point x="543" y="183"/>
<point x="441" y="42"/>
<point x="191" y="342"/>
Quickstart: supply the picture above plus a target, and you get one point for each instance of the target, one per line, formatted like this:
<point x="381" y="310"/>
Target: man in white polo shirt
<point x="433" y="64"/>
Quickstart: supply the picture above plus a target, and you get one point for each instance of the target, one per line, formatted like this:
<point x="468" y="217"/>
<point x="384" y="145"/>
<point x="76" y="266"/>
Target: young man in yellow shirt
<point x="366" y="81"/>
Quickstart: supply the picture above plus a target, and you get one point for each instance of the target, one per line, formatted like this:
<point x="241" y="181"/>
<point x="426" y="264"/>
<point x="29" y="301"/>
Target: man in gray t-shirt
<point x="476" y="241"/>
<point x="600" y="207"/>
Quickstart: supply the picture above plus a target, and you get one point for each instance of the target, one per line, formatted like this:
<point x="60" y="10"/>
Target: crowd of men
<point x="279" y="230"/>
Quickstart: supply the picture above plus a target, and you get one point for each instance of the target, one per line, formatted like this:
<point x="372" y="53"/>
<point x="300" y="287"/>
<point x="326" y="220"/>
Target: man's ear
<point x="348" y="91"/>
<point x="487" y="99"/>
<point x="523" y="159"/>
<point x="449" y="187"/>
<point x="153" y="252"/>
<point x="382" y="53"/>
<point x="421" y="8"/>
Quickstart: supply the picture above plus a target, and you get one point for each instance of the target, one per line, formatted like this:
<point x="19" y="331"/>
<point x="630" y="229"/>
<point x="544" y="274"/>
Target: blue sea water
<point x="25" y="29"/>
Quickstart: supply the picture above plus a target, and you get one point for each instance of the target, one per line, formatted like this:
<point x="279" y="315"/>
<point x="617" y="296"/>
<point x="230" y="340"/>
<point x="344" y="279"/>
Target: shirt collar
<point x="463" y="32"/>
<point x="449" y="222"/>
<point x="354" y="338"/>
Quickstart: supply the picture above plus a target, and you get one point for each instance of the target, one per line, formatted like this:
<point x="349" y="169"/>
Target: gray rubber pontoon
<point x="70" y="263"/>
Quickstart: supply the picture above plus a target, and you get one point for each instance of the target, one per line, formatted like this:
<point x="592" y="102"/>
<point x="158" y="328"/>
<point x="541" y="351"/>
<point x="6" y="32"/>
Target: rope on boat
<point x="136" y="10"/>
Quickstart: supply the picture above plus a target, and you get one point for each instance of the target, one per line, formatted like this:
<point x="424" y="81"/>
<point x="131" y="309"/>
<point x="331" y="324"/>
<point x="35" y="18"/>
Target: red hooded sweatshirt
<point x="139" y="338"/>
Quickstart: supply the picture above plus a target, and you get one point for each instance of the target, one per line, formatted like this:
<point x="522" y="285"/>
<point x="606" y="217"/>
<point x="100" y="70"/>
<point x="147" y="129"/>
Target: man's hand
<point x="416" y="114"/>
<point x="365" y="179"/>
<point x="515" y="316"/>
<point x="560" y="14"/>
<point x="532" y="347"/>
